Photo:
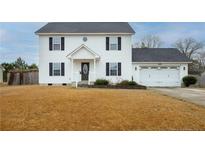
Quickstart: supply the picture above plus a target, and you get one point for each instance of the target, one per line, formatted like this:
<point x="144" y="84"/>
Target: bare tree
<point x="149" y="41"/>
<point x="202" y="59"/>
<point x="188" y="46"/>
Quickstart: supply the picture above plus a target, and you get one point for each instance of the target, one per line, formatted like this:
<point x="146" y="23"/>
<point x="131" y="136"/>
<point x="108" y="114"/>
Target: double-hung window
<point x="113" y="70"/>
<point x="56" y="69"/>
<point x="56" y="43"/>
<point x="113" y="43"/>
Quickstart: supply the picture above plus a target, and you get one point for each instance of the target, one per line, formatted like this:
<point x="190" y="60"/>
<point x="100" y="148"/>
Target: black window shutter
<point x="119" y="69"/>
<point x="107" y="43"/>
<point x="62" y="43"/>
<point x="50" y="69"/>
<point x="119" y="43"/>
<point x="107" y="69"/>
<point x="62" y="69"/>
<point x="50" y="43"/>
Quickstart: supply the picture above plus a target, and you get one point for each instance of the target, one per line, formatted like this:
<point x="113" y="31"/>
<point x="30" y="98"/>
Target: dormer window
<point x="56" y="43"/>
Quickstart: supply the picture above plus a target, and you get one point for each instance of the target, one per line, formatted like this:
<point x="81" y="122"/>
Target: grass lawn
<point x="64" y="108"/>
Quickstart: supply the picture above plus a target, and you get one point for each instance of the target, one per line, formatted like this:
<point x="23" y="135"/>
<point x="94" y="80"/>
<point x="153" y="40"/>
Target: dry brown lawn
<point x="64" y="108"/>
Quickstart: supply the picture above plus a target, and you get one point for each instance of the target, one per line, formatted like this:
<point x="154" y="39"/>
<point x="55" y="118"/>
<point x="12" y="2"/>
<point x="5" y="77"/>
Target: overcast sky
<point x="19" y="40"/>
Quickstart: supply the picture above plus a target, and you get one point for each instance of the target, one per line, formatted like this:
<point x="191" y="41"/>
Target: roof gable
<point x="83" y="52"/>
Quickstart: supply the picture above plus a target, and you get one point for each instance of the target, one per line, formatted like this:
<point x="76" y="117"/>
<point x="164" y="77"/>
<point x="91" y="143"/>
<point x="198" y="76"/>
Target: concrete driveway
<point x="194" y="95"/>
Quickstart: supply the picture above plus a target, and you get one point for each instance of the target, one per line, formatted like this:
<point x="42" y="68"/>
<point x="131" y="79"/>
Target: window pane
<point x="173" y="67"/>
<point x="56" y="47"/>
<point x="56" y="69"/>
<point x="56" y="65"/>
<point x="56" y="72"/>
<point x="113" y="69"/>
<point x="56" y="40"/>
<point x="113" y="40"/>
<point x="163" y="67"/>
<point x="113" y="46"/>
<point x="144" y="67"/>
<point x="154" y="67"/>
<point x="113" y="72"/>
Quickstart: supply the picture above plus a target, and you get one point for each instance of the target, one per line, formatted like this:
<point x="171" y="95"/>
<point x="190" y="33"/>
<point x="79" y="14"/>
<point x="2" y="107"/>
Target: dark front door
<point x="84" y="71"/>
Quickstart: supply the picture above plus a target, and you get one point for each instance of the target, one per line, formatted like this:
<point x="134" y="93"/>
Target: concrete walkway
<point x="194" y="95"/>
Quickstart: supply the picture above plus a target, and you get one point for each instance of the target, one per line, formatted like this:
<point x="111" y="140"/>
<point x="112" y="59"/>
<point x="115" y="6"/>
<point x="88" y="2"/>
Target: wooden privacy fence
<point x="23" y="77"/>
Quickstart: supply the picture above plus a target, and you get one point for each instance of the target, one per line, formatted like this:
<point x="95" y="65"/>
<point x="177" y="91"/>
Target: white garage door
<point x="160" y="76"/>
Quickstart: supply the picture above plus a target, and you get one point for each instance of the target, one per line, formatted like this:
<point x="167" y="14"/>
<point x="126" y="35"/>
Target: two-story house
<point x="82" y="52"/>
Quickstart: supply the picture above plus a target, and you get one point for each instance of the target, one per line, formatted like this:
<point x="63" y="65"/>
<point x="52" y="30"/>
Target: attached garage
<point x="159" y="67"/>
<point x="159" y="76"/>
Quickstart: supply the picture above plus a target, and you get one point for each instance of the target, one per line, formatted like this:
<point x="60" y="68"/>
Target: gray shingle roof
<point x="158" y="55"/>
<point x="86" y="27"/>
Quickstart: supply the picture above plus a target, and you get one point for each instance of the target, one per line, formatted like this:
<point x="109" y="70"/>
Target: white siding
<point x="96" y="44"/>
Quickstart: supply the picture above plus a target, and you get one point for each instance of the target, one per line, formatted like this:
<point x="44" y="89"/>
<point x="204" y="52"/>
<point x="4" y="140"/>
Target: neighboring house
<point x="84" y="52"/>
<point x="1" y="74"/>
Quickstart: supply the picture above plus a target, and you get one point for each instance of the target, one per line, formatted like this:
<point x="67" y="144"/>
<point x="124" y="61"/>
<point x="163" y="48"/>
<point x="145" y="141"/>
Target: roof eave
<point x="118" y="33"/>
<point x="185" y="62"/>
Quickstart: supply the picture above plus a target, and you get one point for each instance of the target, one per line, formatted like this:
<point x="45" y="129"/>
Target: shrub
<point x="189" y="80"/>
<point x="123" y="83"/>
<point x="132" y="83"/>
<point x="101" y="82"/>
<point x="127" y="83"/>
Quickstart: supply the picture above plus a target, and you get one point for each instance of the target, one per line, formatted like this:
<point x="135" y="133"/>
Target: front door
<point x="84" y="71"/>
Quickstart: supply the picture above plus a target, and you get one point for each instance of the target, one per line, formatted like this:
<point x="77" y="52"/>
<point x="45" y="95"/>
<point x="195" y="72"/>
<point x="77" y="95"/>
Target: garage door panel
<point x="159" y="77"/>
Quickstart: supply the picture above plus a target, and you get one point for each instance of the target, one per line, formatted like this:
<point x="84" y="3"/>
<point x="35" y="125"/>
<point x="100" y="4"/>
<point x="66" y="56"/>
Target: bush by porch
<point x="125" y="84"/>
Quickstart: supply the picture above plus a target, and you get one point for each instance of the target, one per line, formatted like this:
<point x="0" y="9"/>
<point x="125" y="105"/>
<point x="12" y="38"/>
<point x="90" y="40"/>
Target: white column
<point x="94" y="69"/>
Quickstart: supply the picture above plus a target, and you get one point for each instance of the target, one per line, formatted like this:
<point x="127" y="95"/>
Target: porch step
<point x="82" y="84"/>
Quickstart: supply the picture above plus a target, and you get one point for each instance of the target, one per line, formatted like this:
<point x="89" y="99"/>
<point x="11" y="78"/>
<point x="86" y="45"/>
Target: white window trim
<point x="53" y="68"/>
<point x="110" y="69"/>
<point x="56" y="43"/>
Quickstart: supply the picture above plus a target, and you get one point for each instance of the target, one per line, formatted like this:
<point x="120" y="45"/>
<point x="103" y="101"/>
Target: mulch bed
<point x="118" y="86"/>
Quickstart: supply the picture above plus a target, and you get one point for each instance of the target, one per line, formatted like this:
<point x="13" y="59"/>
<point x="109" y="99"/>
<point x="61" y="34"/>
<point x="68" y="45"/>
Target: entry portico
<point x="83" y="64"/>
